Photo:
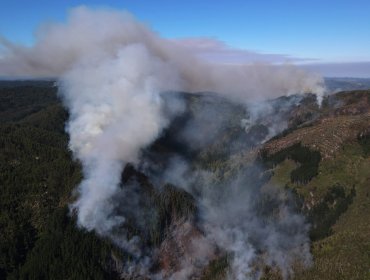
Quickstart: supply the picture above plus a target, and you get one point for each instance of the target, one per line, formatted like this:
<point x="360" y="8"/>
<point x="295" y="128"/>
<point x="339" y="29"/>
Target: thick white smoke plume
<point x="112" y="71"/>
<point x="115" y="111"/>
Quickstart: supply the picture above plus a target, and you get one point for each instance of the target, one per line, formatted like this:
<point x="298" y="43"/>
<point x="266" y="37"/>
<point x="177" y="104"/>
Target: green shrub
<point x="307" y="159"/>
<point x="325" y="213"/>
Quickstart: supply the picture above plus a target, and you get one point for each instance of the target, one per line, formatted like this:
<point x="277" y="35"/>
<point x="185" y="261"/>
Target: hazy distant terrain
<point x="320" y="156"/>
<point x="332" y="84"/>
<point x="340" y="84"/>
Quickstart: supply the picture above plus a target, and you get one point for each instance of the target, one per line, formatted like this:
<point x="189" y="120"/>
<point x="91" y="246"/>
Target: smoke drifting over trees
<point x="117" y="79"/>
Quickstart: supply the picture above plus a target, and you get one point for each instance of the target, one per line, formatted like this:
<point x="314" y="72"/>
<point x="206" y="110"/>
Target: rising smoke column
<point x="111" y="71"/>
<point x="115" y="111"/>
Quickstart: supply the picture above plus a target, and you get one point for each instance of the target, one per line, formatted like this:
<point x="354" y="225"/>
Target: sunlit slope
<point x="337" y="199"/>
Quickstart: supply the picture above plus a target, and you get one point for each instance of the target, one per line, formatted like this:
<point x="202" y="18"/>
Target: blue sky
<point x="320" y="31"/>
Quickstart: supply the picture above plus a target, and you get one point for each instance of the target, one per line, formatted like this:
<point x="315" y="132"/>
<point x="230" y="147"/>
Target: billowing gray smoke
<point x="251" y="220"/>
<point x="254" y="224"/>
<point x="111" y="71"/>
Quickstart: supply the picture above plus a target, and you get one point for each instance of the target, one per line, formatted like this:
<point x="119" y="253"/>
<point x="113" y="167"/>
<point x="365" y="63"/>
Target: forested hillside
<point x="322" y="158"/>
<point x="38" y="239"/>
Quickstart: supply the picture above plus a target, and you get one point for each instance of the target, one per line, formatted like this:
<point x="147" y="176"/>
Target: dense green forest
<point x="307" y="159"/>
<point x="38" y="239"/>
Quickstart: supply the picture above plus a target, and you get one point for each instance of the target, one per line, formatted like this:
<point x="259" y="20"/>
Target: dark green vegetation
<point x="364" y="140"/>
<point x="324" y="214"/>
<point x="159" y="208"/>
<point x="336" y="200"/>
<point x="65" y="252"/>
<point x="19" y="102"/>
<point x="307" y="159"/>
<point x="39" y="239"/>
<point x="339" y="203"/>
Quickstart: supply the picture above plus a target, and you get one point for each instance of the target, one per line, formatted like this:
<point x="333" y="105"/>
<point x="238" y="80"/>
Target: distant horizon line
<point x="53" y="79"/>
